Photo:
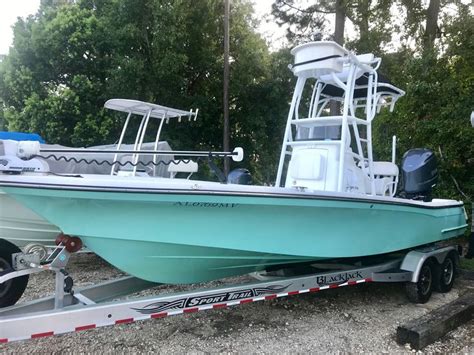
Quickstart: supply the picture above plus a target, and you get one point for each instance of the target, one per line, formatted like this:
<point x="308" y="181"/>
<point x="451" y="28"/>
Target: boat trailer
<point x="69" y="310"/>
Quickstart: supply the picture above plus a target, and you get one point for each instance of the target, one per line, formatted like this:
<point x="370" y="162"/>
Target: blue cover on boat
<point x="18" y="136"/>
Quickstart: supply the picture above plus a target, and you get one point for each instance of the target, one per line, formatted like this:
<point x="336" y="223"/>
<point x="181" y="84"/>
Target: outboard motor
<point x="419" y="174"/>
<point x="239" y="176"/>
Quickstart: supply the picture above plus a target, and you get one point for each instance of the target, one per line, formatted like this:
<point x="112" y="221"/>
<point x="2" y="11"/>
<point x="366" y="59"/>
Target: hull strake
<point x="181" y="238"/>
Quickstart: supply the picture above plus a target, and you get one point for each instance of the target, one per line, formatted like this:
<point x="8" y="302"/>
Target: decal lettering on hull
<point x="206" y="204"/>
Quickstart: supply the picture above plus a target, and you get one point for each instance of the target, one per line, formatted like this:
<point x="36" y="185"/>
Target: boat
<point x="19" y="224"/>
<point x="25" y="228"/>
<point x="331" y="199"/>
<point x="22" y="226"/>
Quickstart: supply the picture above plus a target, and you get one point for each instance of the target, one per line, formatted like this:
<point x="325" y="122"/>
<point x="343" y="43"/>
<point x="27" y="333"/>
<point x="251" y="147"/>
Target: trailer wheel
<point x="11" y="290"/>
<point x="420" y="291"/>
<point x="447" y="274"/>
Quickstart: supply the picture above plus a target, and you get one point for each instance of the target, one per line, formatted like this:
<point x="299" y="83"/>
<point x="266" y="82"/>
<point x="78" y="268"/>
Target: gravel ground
<point x="354" y="319"/>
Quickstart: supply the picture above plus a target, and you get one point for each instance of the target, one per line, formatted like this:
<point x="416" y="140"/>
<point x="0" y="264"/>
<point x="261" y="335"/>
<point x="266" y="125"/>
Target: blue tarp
<point x="17" y="136"/>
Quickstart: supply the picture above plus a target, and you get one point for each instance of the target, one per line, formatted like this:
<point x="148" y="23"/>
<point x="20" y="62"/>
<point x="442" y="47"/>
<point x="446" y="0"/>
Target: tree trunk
<point x="363" y="23"/>
<point x="431" y="29"/>
<point x="340" y="21"/>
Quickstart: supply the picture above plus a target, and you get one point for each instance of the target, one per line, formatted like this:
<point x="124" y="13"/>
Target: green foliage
<point x="305" y="19"/>
<point x="53" y="80"/>
<point x="467" y="264"/>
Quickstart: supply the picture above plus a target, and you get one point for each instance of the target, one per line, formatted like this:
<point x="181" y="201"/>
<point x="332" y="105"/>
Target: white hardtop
<point x="142" y="108"/>
<point x="333" y="44"/>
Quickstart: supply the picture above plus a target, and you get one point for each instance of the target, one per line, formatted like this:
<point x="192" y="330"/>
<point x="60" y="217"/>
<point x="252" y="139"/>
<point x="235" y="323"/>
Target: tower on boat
<point x="327" y="144"/>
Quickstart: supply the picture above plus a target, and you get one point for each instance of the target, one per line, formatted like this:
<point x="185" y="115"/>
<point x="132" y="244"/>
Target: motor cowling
<point x="419" y="174"/>
<point x="239" y="176"/>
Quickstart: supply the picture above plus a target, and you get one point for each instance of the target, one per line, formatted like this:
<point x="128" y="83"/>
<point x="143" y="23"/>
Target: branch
<point x="459" y="188"/>
<point x="351" y="18"/>
<point x="456" y="184"/>
<point x="306" y="11"/>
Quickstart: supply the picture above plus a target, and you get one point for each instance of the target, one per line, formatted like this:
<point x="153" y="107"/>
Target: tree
<point x="308" y="22"/>
<point x="52" y="81"/>
<point x="427" y="21"/>
<point x="369" y="17"/>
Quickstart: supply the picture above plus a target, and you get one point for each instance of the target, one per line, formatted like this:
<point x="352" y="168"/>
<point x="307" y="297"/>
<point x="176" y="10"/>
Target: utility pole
<point x="226" y="86"/>
<point x="335" y="106"/>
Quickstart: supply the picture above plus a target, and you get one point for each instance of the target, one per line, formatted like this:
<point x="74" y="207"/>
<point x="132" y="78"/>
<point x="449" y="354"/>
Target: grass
<point x="467" y="264"/>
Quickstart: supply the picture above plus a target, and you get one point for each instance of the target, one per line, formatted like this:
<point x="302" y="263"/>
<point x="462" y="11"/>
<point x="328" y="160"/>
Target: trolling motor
<point x="16" y="157"/>
<point x="419" y="174"/>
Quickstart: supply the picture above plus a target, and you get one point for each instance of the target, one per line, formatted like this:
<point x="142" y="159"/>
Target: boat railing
<point x="327" y="121"/>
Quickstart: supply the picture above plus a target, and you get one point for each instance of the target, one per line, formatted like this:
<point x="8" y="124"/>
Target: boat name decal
<point x="206" y="204"/>
<point x="195" y="301"/>
<point x="339" y="278"/>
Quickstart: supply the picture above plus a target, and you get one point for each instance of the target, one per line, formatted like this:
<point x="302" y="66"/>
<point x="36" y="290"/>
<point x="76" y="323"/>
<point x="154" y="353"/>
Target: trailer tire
<point x="11" y="290"/>
<point x="447" y="273"/>
<point x="420" y="291"/>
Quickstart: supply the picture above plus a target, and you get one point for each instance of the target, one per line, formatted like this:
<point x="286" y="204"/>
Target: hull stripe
<point x="130" y="189"/>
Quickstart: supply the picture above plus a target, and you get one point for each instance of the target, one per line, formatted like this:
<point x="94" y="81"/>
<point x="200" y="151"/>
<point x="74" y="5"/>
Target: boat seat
<point x="181" y="166"/>
<point x="385" y="168"/>
<point x="386" y="177"/>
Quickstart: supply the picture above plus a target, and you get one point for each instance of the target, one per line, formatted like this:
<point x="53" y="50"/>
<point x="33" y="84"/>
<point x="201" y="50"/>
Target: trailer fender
<point x="414" y="260"/>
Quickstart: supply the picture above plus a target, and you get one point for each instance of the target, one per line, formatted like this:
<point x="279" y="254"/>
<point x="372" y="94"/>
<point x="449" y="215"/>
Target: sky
<point x="274" y="35"/>
<point x="11" y="9"/>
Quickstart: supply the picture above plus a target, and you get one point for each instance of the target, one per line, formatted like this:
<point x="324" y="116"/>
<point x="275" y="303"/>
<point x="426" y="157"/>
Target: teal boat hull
<point x="179" y="237"/>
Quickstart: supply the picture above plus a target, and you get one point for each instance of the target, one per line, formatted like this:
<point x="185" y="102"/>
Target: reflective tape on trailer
<point x="190" y="310"/>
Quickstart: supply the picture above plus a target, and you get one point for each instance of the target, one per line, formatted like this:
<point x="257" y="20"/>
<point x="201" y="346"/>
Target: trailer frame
<point x="70" y="310"/>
